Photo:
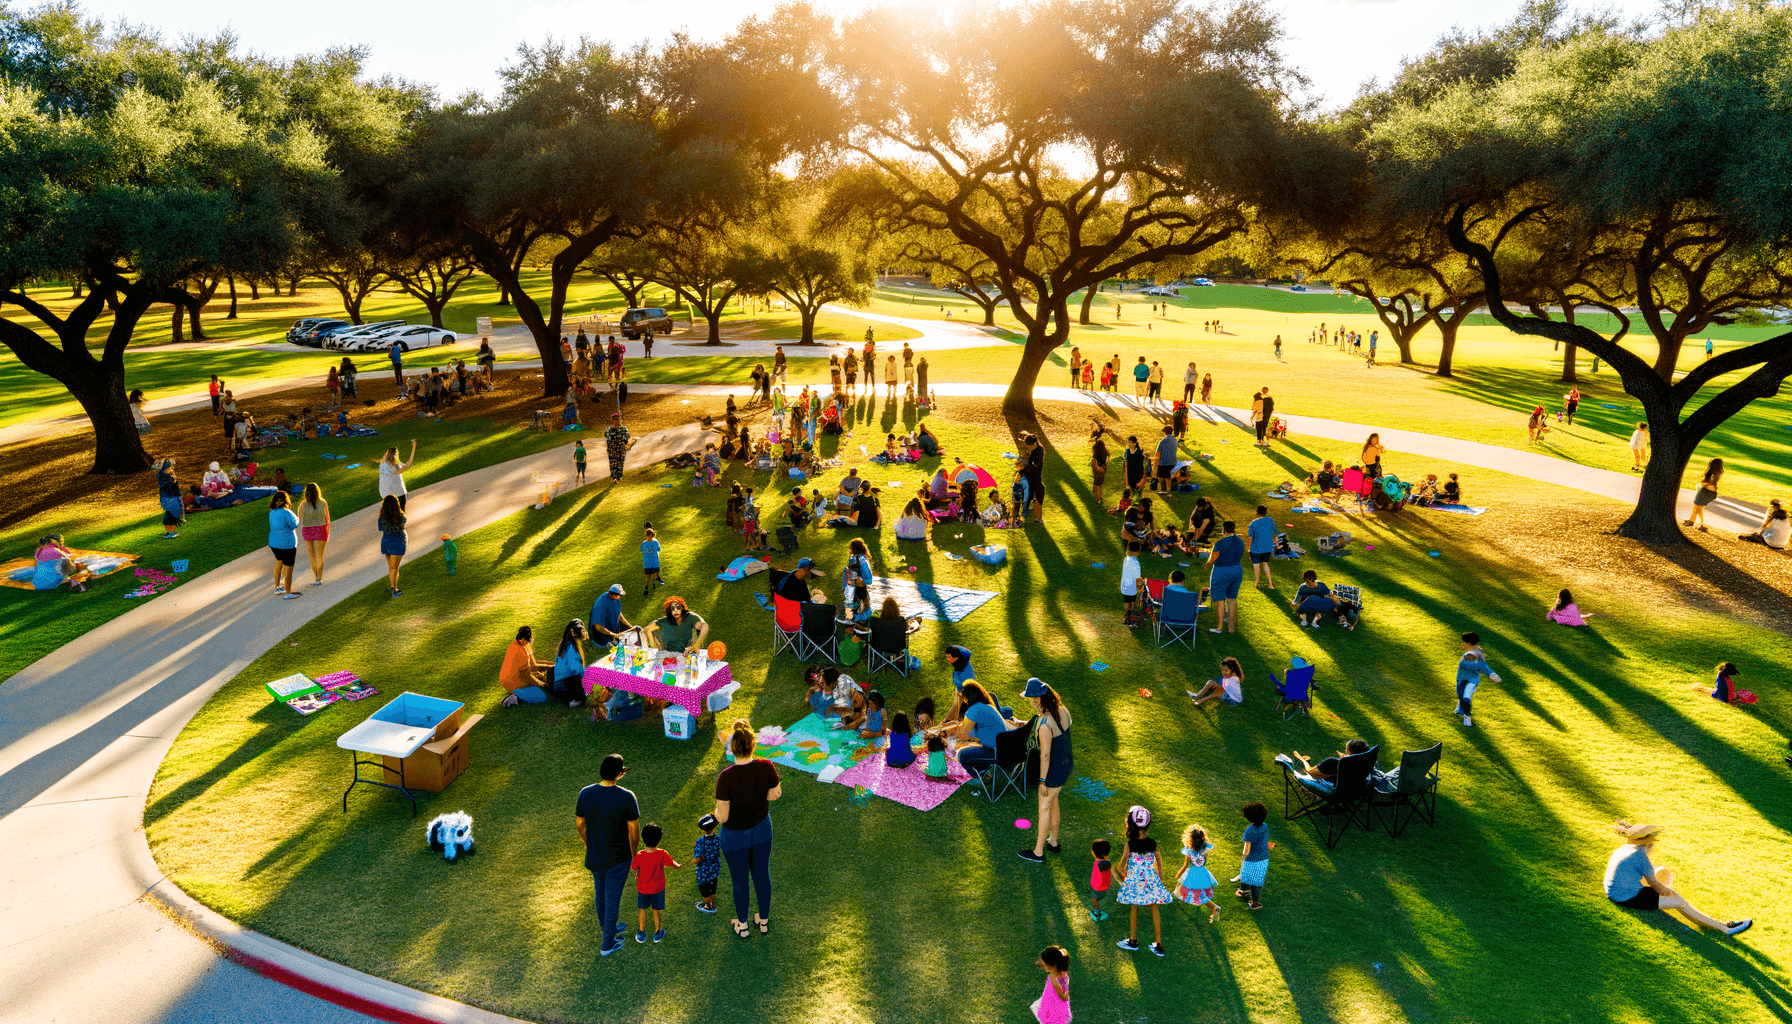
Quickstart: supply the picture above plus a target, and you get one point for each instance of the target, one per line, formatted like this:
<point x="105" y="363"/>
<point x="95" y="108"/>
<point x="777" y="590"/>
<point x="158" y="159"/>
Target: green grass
<point x="886" y="914"/>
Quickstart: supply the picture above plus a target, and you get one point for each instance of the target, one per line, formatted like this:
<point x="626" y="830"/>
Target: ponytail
<point x="741" y="739"/>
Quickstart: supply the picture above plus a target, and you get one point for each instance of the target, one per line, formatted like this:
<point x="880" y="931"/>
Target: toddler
<point x="818" y="697"/>
<point x="650" y="881"/>
<point x="578" y="464"/>
<point x="1254" y="867"/>
<point x="1053" y="1005"/>
<point x="650" y="560"/>
<point x="1194" y="883"/>
<point x="1142" y="880"/>
<point x="936" y="759"/>
<point x="1129" y="585"/>
<point x="870" y="716"/>
<point x="706" y="857"/>
<point x="1101" y="877"/>
<point x="925" y="717"/>
<point x="899" y="753"/>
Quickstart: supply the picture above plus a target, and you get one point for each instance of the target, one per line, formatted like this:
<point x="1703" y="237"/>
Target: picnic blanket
<point x="18" y="572"/>
<point x="912" y="455"/>
<point x="741" y="568"/>
<point x="240" y="495"/>
<point x="1467" y="510"/>
<point x="909" y="785"/>
<point x="812" y="745"/>
<point x="928" y="600"/>
<point x="1313" y="507"/>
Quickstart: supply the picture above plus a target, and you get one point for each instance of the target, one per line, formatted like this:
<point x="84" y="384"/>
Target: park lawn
<point x="885" y="914"/>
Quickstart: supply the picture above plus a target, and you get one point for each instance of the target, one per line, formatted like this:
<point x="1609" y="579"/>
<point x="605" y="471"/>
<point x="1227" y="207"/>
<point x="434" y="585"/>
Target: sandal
<point x="740" y="928"/>
<point x="764" y="925"/>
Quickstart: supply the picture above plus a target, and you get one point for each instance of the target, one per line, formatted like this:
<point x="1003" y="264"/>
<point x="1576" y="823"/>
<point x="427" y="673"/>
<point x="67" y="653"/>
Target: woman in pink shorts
<point x="314" y="529"/>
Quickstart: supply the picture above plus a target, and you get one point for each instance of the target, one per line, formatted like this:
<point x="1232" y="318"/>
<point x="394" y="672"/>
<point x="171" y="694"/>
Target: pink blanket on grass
<point x="909" y="786"/>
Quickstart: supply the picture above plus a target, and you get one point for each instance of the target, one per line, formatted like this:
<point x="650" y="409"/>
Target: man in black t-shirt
<point x="1269" y="417"/>
<point x="795" y="586"/>
<point x="608" y="821"/>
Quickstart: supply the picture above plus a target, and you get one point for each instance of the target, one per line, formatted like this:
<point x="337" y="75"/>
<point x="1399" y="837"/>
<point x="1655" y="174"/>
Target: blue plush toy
<point x="450" y="834"/>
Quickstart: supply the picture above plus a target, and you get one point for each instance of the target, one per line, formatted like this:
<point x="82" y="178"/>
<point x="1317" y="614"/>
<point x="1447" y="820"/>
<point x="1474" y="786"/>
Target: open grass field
<point x="883" y="913"/>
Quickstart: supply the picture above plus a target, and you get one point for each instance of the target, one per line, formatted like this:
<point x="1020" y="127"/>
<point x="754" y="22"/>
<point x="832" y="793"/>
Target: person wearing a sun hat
<point x="215" y="483"/>
<point x="1631" y="880"/>
<point x="1051" y="733"/>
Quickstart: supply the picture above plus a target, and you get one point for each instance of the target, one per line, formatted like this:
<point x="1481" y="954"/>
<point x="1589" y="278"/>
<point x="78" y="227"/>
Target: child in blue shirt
<point x="650" y="559"/>
<point x="1468" y="675"/>
<point x="706" y="857"/>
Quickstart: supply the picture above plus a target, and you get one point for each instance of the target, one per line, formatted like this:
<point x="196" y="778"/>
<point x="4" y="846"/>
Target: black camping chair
<point x="1330" y="809"/>
<point x="1413" y="793"/>
<point x="886" y="643"/>
<point x="820" y="637"/>
<point x="1009" y="770"/>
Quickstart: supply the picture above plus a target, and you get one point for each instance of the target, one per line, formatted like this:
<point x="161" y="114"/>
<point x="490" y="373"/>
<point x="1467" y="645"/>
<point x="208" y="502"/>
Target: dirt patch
<point x="51" y="473"/>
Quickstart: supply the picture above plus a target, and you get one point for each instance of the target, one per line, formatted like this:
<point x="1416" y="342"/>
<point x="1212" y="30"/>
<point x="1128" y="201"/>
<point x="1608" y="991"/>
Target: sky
<point x="458" y="45"/>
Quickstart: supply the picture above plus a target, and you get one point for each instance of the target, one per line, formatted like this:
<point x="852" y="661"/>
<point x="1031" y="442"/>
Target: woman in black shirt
<point x="743" y="805"/>
<point x="1135" y="462"/>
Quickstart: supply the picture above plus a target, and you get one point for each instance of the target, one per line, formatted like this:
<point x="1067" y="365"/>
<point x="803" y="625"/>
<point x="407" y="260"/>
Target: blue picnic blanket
<point x="242" y="496"/>
<point x="928" y="600"/>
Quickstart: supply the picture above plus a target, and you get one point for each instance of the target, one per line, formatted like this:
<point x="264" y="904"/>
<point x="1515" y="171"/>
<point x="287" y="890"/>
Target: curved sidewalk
<point x="82" y="733"/>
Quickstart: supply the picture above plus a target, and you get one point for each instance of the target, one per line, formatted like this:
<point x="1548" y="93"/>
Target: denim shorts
<point x="650" y="901"/>
<point x="1224" y="583"/>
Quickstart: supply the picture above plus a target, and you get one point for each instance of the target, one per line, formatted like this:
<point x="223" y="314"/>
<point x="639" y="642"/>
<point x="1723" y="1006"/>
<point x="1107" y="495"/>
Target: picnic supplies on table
<point x="683" y="679"/>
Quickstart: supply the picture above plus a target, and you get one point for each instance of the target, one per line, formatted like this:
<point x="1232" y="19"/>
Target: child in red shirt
<point x="650" y="881"/>
<point x="1101" y="876"/>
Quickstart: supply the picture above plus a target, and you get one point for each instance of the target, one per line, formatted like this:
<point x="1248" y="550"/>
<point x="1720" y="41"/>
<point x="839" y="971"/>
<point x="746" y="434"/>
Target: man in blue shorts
<point x="1262" y="535"/>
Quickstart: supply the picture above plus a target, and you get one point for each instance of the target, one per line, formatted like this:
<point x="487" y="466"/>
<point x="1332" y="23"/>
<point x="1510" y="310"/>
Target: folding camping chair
<point x="1176" y="614"/>
<point x="1294" y="692"/>
<point x="820" y="636"/>
<point x="787" y="617"/>
<point x="1414" y="794"/>
<point x="1009" y="770"/>
<point x="1356" y="482"/>
<point x="1330" y="808"/>
<point x="886" y="643"/>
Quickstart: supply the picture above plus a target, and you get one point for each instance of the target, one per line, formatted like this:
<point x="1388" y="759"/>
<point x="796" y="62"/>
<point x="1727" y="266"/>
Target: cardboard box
<point x="435" y="764"/>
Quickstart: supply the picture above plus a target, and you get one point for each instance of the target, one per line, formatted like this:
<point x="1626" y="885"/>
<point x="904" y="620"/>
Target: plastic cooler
<point x="679" y="723"/>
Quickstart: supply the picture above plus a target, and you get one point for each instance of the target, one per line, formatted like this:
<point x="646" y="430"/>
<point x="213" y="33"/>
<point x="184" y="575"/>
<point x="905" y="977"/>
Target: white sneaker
<point x="1741" y="926"/>
<point x="1467" y="720"/>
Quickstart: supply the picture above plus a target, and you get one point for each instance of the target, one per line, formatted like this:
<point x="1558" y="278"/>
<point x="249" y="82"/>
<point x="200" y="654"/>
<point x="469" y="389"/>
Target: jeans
<point x="749" y="851"/>
<point x="609" y="883"/>
<point x="1465" y="696"/>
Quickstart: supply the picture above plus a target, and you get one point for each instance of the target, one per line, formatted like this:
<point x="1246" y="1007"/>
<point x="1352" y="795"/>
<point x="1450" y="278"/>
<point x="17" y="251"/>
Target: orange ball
<point x="718" y="651"/>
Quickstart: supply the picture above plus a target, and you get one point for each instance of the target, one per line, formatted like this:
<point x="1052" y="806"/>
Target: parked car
<point x="337" y="337"/>
<point x="637" y="322"/>
<point x="1203" y="282"/>
<point x="409" y="336"/>
<point x="1164" y="289"/>
<point x="310" y="331"/>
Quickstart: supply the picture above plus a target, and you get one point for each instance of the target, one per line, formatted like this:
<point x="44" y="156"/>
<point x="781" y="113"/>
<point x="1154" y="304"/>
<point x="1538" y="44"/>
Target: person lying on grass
<point x="1631" y="880"/>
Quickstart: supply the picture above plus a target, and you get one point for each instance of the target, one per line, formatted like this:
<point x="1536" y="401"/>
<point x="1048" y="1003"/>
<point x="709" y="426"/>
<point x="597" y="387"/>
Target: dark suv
<point x="637" y="322"/>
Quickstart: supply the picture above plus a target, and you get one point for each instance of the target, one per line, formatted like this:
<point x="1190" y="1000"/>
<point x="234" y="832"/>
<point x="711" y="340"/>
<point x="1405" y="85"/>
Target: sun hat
<point x="1138" y="816"/>
<point x="1035" y="688"/>
<point x="1636" y="835"/>
<point x="616" y="588"/>
<point x="213" y="467"/>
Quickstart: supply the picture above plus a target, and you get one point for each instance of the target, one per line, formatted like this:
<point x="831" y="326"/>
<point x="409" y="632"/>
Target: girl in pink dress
<point x="1053" y="1005"/>
<point x="1566" y="612"/>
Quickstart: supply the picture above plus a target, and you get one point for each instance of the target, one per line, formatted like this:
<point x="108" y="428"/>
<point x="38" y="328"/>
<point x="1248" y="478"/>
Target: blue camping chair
<point x="1176" y="616"/>
<point x="1296" y="691"/>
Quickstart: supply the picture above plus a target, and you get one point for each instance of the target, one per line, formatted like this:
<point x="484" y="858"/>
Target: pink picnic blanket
<point x="909" y="786"/>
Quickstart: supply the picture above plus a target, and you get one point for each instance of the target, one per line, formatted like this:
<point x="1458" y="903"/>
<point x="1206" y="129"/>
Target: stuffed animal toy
<point x="450" y="834"/>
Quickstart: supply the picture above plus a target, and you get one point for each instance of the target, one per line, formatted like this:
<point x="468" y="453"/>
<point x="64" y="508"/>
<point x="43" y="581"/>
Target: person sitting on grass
<point x="1229" y="687"/>
<point x="1312" y="600"/>
<point x="1452" y="493"/>
<point x="569" y="665"/>
<point x="796" y="510"/>
<point x="1326" y="479"/>
<point x="872" y="725"/>
<point x="1775" y="529"/>
<point x="1140" y="522"/>
<point x="1202" y="521"/>
<point x="1565" y="612"/>
<point x="913" y="523"/>
<point x="1426" y="495"/>
<point x="1125" y="505"/>
<point x="55" y="565"/>
<point x="521" y="674"/>
<point x="1631" y="880"/>
<point x="1724" y="689"/>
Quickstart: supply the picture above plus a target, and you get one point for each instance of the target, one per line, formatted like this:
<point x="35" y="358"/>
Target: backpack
<point x="787" y="538"/>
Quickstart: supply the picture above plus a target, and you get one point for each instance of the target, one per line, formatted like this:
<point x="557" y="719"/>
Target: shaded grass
<point x="886" y="914"/>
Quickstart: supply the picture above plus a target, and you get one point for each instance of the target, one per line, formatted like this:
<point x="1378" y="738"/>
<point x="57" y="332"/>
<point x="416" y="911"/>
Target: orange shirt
<point x="519" y="666"/>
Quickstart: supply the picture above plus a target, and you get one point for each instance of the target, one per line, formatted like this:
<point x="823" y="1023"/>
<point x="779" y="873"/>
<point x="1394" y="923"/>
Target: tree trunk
<point x="435" y="307"/>
<point x="1043" y="338"/>
<point x="254" y="289"/>
<point x="232" y="314"/>
<point x="97" y="384"/>
<point x="292" y="287"/>
<point x="1655" y="518"/>
<point x="117" y="447"/>
<point x="503" y="295"/>
<point x="1088" y="303"/>
<point x="1568" y="371"/>
<point x="714" y="316"/>
<point x="1448" y="328"/>
<point x="808" y="316"/>
<point x="75" y="289"/>
<point x="178" y="332"/>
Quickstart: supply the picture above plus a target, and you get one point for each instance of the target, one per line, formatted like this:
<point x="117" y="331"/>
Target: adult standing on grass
<point x="1032" y="466"/>
<point x="1257" y="412"/>
<point x="1639" y="443"/>
<point x="1268" y="418"/>
<point x="744" y="794"/>
<point x="921" y="394"/>
<point x="1052" y="734"/>
<point x="1707" y="493"/>
<point x="1098" y="463"/>
<point x="1206" y="389"/>
<point x="1631" y="880"/>
<point x="1155" y="383"/>
<point x="617" y="442"/>
<point x="1141" y="375"/>
<point x="314" y="529"/>
<point x="608" y="819"/>
<point x="216" y="389"/>
<point x="758" y="380"/>
<point x="392" y="474"/>
<point x="393" y="540"/>
<point x="1076" y="367"/>
<point x="283" y="540"/>
<point x="395" y="352"/>
<point x="168" y="496"/>
<point x="1135" y="462"/>
<point x="1372" y="456"/>
<point x="1166" y="458"/>
<point x="1190" y="380"/>
<point x="1225" y="576"/>
<point x="1262" y="534"/>
<point x="889" y="376"/>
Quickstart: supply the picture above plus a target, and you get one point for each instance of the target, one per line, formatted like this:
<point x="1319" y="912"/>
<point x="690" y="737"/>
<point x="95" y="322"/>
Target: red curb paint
<point x="346" y="1000"/>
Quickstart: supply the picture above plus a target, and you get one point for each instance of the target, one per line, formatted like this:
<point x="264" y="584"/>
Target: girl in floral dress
<point x="1141" y="879"/>
<point x="1194" y="883"/>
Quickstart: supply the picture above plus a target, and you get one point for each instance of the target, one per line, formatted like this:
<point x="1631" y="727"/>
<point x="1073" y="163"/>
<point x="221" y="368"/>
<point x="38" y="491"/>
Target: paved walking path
<point x="83" y="731"/>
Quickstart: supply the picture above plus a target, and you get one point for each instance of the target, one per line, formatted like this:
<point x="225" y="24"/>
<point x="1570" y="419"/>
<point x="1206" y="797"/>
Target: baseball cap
<point x="616" y="588"/>
<point x="707" y="822"/>
<point x="806" y="563"/>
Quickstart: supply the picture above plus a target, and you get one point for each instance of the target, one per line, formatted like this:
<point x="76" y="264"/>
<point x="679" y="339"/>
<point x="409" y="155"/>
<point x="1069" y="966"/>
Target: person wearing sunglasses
<point x="680" y="631"/>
